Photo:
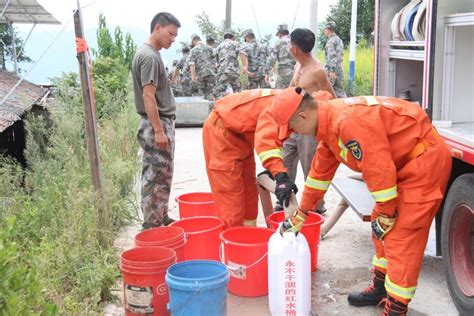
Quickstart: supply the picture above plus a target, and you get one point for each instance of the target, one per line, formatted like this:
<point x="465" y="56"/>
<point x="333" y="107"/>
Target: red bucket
<point x="244" y="251"/>
<point x="202" y="236"/>
<point x="143" y="273"/>
<point x="171" y="237"/>
<point x="311" y="229"/>
<point x="196" y="204"/>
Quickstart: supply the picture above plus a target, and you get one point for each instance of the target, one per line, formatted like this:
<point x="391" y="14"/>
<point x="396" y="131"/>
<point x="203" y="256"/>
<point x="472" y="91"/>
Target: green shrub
<point x="64" y="235"/>
<point x="21" y="292"/>
<point x="363" y="77"/>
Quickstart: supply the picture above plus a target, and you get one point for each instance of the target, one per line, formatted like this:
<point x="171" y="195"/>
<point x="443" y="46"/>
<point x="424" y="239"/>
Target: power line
<point x="42" y="55"/>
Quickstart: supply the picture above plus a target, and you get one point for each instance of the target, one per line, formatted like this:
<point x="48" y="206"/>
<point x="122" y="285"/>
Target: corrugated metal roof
<point x="25" y="95"/>
<point x="25" y="11"/>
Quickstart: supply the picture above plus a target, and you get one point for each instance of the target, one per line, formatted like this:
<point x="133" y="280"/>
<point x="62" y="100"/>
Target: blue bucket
<point x="197" y="287"/>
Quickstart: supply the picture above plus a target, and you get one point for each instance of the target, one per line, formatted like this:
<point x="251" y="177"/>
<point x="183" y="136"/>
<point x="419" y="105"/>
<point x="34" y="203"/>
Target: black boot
<point x="394" y="307"/>
<point x="371" y="295"/>
<point x="167" y="220"/>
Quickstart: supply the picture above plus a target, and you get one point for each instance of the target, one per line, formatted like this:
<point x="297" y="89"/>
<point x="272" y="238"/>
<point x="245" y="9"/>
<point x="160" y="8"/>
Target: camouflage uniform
<point x="229" y="69"/>
<point x="157" y="172"/>
<point x="281" y="53"/>
<point x="334" y="52"/>
<point x="183" y="66"/>
<point x="202" y="57"/>
<point x="256" y="55"/>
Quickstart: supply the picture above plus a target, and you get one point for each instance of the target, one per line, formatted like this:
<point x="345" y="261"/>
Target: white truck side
<point x="434" y="66"/>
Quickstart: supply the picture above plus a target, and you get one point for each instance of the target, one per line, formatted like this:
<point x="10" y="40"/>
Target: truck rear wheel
<point x="457" y="242"/>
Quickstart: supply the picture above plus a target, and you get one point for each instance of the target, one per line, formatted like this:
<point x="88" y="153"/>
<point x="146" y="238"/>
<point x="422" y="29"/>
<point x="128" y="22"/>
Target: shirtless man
<point x="311" y="76"/>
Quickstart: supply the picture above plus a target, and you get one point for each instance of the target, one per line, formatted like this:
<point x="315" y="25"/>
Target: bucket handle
<point x="236" y="269"/>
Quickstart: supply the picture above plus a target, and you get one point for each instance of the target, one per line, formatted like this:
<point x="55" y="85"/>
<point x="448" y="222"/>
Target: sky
<point x="134" y="17"/>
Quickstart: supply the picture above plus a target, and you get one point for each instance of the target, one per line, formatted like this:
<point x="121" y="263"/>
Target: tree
<point x="114" y="47"/>
<point x="111" y="67"/>
<point x="6" y="47"/>
<point x="341" y="14"/>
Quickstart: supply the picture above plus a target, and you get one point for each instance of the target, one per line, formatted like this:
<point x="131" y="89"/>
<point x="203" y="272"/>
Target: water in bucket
<point x="198" y="288"/>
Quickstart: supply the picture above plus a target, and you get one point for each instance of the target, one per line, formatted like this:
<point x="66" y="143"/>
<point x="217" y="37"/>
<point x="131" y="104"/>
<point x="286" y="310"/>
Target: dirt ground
<point x="345" y="255"/>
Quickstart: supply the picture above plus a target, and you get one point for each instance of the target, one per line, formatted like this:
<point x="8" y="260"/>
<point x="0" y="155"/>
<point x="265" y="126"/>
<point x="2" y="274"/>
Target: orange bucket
<point x="202" y="236"/>
<point x="244" y="251"/>
<point x="170" y="237"/>
<point x="143" y="273"/>
<point x="196" y="204"/>
<point x="311" y="230"/>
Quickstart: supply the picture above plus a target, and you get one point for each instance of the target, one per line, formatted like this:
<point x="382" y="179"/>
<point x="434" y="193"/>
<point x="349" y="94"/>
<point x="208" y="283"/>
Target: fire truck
<point x="424" y="52"/>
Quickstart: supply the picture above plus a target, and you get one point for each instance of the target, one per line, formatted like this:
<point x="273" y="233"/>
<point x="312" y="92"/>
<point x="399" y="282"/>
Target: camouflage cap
<point x="330" y="25"/>
<point x="194" y="36"/>
<point x="228" y="34"/>
<point x="210" y="38"/>
<point x="248" y="32"/>
<point x="281" y="28"/>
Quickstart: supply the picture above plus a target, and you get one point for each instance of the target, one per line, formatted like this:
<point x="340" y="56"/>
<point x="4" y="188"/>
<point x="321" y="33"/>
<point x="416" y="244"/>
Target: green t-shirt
<point x="148" y="68"/>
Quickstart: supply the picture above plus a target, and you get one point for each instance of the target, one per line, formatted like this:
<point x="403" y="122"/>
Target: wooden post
<point x="89" y="113"/>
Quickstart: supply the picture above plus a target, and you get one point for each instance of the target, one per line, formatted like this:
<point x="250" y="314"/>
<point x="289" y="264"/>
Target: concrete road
<point x="344" y="255"/>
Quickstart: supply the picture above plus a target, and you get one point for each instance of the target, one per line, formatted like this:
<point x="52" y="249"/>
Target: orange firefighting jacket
<point x="372" y="135"/>
<point x="247" y="113"/>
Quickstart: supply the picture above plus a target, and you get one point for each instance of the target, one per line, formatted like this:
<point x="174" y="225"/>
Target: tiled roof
<point x="25" y="95"/>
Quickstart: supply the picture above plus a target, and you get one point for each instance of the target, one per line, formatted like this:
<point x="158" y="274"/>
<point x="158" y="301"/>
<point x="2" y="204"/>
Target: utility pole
<point x="228" y="15"/>
<point x="313" y="23"/>
<point x="88" y="107"/>
<point x="352" y="49"/>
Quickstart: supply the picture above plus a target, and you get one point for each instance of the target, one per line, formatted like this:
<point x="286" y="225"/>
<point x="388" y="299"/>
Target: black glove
<point x="267" y="172"/>
<point x="283" y="189"/>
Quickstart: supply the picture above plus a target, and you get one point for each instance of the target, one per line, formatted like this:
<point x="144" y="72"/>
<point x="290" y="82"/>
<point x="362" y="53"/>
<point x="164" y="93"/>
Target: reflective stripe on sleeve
<point x="272" y="153"/>
<point x="266" y="92"/>
<point x="371" y="100"/>
<point x="343" y="152"/>
<point x="379" y="262"/>
<point x="405" y="292"/>
<point x="385" y="195"/>
<point x="317" y="184"/>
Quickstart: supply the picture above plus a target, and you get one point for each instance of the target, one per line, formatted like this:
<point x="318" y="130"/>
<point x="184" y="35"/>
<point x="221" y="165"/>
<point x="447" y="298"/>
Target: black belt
<point x="171" y="116"/>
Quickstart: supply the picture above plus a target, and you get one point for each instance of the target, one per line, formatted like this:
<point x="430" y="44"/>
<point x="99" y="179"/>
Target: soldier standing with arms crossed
<point x="281" y="54"/>
<point x="155" y="103"/>
<point x="334" y="52"/>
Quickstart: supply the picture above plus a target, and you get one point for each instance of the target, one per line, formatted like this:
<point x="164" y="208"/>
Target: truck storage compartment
<point x="406" y="79"/>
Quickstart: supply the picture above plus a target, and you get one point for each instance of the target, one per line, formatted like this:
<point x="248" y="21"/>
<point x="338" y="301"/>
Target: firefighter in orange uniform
<point x="406" y="167"/>
<point x="228" y="139"/>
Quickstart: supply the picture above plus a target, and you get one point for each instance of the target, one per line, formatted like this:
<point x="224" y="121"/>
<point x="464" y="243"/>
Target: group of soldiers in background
<point x="213" y="72"/>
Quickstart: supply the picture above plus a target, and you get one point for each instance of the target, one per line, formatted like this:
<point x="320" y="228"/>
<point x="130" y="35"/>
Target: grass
<point x="363" y="78"/>
<point x="57" y="235"/>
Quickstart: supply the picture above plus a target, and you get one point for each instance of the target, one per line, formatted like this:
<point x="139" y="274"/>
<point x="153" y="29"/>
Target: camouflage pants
<point x="338" y="83"/>
<point x="206" y="87"/>
<point x="257" y="82"/>
<point x="284" y="78"/>
<point x="300" y="148"/>
<point x="224" y="80"/>
<point x="157" y="172"/>
<point x="186" y="87"/>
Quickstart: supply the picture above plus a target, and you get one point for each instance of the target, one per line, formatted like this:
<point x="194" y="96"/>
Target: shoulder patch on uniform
<point x="355" y="149"/>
